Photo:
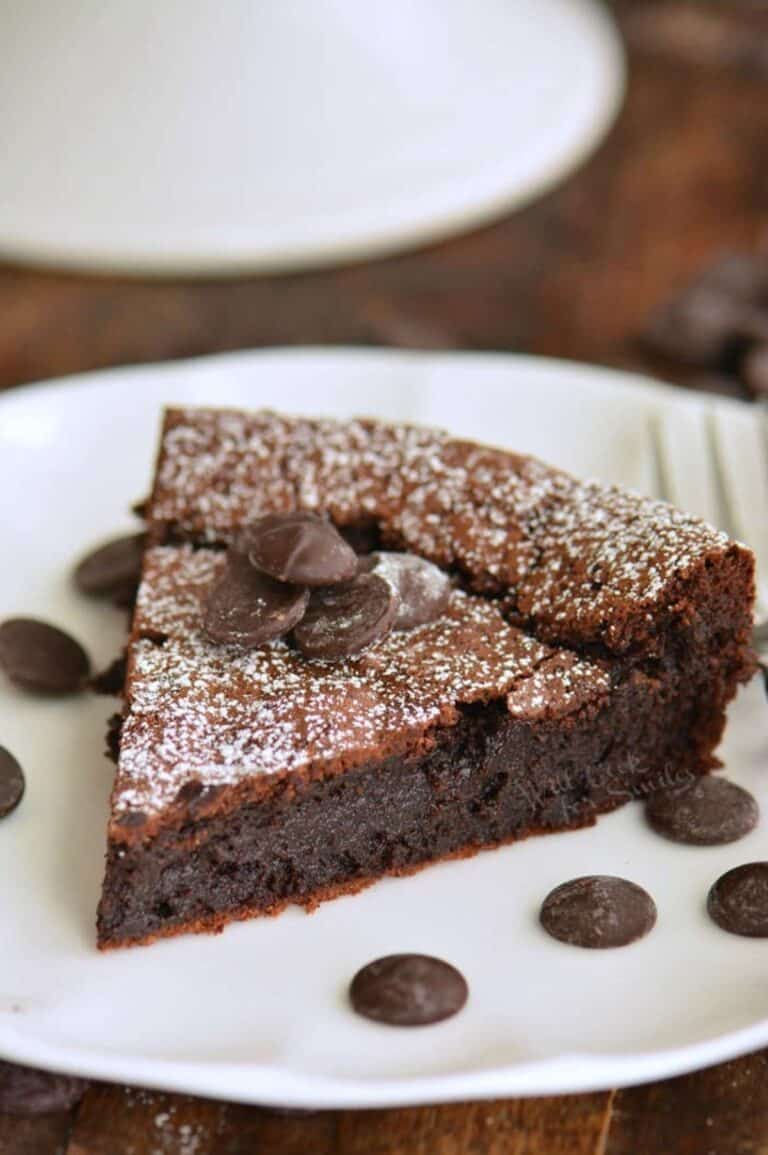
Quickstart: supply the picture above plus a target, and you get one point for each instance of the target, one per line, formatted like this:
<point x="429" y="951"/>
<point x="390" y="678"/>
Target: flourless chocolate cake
<point x="588" y="647"/>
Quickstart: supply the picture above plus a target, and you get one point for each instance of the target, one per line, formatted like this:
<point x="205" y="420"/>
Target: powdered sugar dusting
<point x="576" y="562"/>
<point x="558" y="686"/>
<point x="580" y="562"/>
<point x="609" y="561"/>
<point x="220" y="715"/>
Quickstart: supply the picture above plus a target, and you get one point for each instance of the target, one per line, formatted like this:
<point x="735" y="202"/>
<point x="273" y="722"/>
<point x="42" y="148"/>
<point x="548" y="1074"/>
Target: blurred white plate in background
<point x="259" y="1012"/>
<point x="198" y="137"/>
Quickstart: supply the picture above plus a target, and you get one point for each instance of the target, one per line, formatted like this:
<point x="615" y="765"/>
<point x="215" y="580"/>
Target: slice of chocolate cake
<point x="591" y="644"/>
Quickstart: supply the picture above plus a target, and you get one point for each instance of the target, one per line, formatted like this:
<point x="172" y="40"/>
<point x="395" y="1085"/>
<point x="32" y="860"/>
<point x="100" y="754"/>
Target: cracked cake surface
<point x="218" y="715"/>
<point x="579" y="562"/>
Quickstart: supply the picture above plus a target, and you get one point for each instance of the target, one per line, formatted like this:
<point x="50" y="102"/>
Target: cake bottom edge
<point x="489" y="780"/>
<point x="217" y="923"/>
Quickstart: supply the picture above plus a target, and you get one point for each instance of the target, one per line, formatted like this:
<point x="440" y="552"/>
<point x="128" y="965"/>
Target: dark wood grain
<point x="568" y="1125"/>
<point x="682" y="175"/>
<point x="574" y="275"/>
<point x="45" y="1135"/>
<point x="113" y="1120"/>
<point x="720" y="1111"/>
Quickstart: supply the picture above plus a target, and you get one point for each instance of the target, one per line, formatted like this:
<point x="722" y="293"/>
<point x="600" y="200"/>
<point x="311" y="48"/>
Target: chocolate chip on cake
<point x="423" y="588"/>
<point x="28" y="1091"/>
<point x="40" y="657"/>
<point x="598" y="911"/>
<point x="344" y="619"/>
<point x="247" y="608"/>
<point x="11" y="782"/>
<point x="299" y="547"/>
<point x="113" y="570"/>
<point x="706" y="812"/>
<point x="408" y="990"/>
<point x="738" y="901"/>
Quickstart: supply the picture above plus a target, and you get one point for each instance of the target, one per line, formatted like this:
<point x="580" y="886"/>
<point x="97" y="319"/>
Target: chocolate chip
<point x="27" y="1091"/>
<point x="424" y="589"/>
<point x="113" y="736"/>
<point x="342" y="620"/>
<point x="754" y="370"/>
<point x="41" y="657"/>
<point x="247" y="608"/>
<point x="408" y="990"/>
<point x="113" y="569"/>
<point x="299" y="547"/>
<point x="738" y="901"/>
<point x="598" y="911"/>
<point x="11" y="782"/>
<point x="699" y="327"/>
<point x="706" y="812"/>
<point x="717" y="316"/>
<point x="741" y="275"/>
<point x="111" y="680"/>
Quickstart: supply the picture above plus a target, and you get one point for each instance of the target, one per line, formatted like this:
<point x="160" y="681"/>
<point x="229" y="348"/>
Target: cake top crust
<point x="209" y="715"/>
<point x="579" y="563"/>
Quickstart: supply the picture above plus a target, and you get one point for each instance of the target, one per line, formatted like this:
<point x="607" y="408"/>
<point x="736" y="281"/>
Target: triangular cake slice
<point x="587" y="653"/>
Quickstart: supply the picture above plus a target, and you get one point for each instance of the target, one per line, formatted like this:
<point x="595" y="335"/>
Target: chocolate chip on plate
<point x="113" y="569"/>
<point x="299" y="547"/>
<point x="11" y="782"/>
<point x="408" y="990"/>
<point x="341" y="620"/>
<point x="27" y="1091"/>
<point x="112" y="737"/>
<point x="706" y="812"/>
<point x="424" y="589"/>
<point x="41" y="657"/>
<point x="598" y="911"/>
<point x="738" y="901"/>
<point x="111" y="680"/>
<point x="247" y="608"/>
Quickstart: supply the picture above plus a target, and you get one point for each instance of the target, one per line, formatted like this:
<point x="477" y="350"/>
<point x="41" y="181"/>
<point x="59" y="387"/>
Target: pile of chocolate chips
<point x="719" y="321"/>
<point x="293" y="573"/>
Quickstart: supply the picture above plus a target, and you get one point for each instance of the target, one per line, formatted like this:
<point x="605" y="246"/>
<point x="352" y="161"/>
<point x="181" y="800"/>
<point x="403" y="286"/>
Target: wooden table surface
<point x="683" y="175"/>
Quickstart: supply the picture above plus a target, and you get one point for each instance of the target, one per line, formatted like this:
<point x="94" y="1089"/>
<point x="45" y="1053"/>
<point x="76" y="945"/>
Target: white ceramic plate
<point x="259" y="1012"/>
<point x="198" y="137"/>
